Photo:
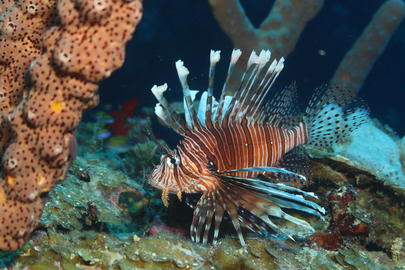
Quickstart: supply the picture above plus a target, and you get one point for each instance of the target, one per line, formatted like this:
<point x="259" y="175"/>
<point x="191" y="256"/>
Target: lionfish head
<point x="163" y="175"/>
<point x="166" y="176"/>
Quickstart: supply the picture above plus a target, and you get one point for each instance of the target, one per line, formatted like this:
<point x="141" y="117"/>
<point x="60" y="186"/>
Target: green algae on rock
<point x="92" y="250"/>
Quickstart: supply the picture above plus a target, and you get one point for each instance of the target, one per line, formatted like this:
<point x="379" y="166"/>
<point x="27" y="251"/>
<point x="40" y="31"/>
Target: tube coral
<point x="359" y="60"/>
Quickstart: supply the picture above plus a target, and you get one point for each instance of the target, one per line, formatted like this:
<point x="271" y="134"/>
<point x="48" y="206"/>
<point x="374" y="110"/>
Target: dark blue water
<point x="187" y="30"/>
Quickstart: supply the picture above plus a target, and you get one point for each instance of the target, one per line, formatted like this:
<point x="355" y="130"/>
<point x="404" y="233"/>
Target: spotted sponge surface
<point x="64" y="47"/>
<point x="18" y="219"/>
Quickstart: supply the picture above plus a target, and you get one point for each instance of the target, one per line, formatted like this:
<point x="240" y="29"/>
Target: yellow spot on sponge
<point x="46" y="189"/>
<point x="40" y="180"/>
<point x="11" y="180"/>
<point x="57" y="106"/>
<point x="3" y="196"/>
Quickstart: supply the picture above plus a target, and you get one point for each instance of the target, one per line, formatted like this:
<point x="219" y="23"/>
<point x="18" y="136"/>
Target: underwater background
<point x="187" y="30"/>
<point x="106" y="216"/>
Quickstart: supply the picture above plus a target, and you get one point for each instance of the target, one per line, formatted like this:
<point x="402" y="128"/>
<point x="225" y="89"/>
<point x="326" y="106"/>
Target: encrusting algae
<point x="234" y="150"/>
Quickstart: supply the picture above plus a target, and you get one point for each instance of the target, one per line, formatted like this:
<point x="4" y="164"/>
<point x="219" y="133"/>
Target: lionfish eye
<point x="211" y="165"/>
<point x="172" y="161"/>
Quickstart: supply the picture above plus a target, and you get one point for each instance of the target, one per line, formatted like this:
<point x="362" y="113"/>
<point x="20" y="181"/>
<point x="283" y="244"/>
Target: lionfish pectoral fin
<point x="210" y="209"/>
<point x="261" y="200"/>
<point x="266" y="169"/>
<point x="250" y="202"/>
<point x="204" y="212"/>
<point x="280" y="194"/>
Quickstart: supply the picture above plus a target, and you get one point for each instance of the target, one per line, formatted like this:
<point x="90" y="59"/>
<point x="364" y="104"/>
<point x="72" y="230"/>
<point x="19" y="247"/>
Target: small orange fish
<point x="233" y="147"/>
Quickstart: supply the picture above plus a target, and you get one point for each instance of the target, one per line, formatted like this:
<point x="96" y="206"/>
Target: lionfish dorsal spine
<point x="164" y="110"/>
<point x="224" y="99"/>
<point x="188" y="94"/>
<point x="215" y="56"/>
<point x="246" y="85"/>
<point x="234" y="105"/>
<point x="265" y="85"/>
<point x="252" y="95"/>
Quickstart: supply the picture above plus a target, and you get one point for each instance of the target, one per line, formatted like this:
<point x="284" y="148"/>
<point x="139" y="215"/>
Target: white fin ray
<point x="163" y="109"/>
<point x="189" y="111"/>
<point x="202" y="108"/>
<point x="277" y="212"/>
<point x="231" y="107"/>
<point x="265" y="169"/>
<point x="162" y="114"/>
<point x="226" y="103"/>
<point x="236" y="53"/>
<point x="215" y="56"/>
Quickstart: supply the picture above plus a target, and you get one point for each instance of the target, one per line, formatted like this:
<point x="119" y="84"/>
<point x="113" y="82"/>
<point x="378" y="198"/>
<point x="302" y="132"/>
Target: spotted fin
<point x="332" y="114"/>
<point x="295" y="161"/>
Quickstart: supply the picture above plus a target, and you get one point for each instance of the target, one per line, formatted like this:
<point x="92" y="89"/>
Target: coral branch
<point x="359" y="60"/>
<point x="282" y="28"/>
<point x="234" y="22"/>
<point x="279" y="32"/>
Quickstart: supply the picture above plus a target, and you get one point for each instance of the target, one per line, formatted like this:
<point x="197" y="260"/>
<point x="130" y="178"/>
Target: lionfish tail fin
<point x="252" y="203"/>
<point x="332" y="114"/>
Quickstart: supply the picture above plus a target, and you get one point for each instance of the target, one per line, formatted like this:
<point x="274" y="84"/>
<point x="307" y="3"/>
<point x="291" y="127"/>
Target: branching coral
<point x="282" y="28"/>
<point x="66" y="47"/>
<point x="359" y="60"/>
<point x="279" y="32"/>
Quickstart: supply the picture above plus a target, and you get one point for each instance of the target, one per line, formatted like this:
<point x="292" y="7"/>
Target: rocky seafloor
<point x="105" y="216"/>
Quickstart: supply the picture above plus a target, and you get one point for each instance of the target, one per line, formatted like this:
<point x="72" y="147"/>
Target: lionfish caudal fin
<point x="251" y="203"/>
<point x="333" y="113"/>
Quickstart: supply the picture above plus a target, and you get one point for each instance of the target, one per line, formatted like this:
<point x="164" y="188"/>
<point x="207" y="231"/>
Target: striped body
<point x="243" y="146"/>
<point x="204" y="151"/>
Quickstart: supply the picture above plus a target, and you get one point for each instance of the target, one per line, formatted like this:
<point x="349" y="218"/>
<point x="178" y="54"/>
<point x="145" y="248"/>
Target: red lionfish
<point x="231" y="147"/>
